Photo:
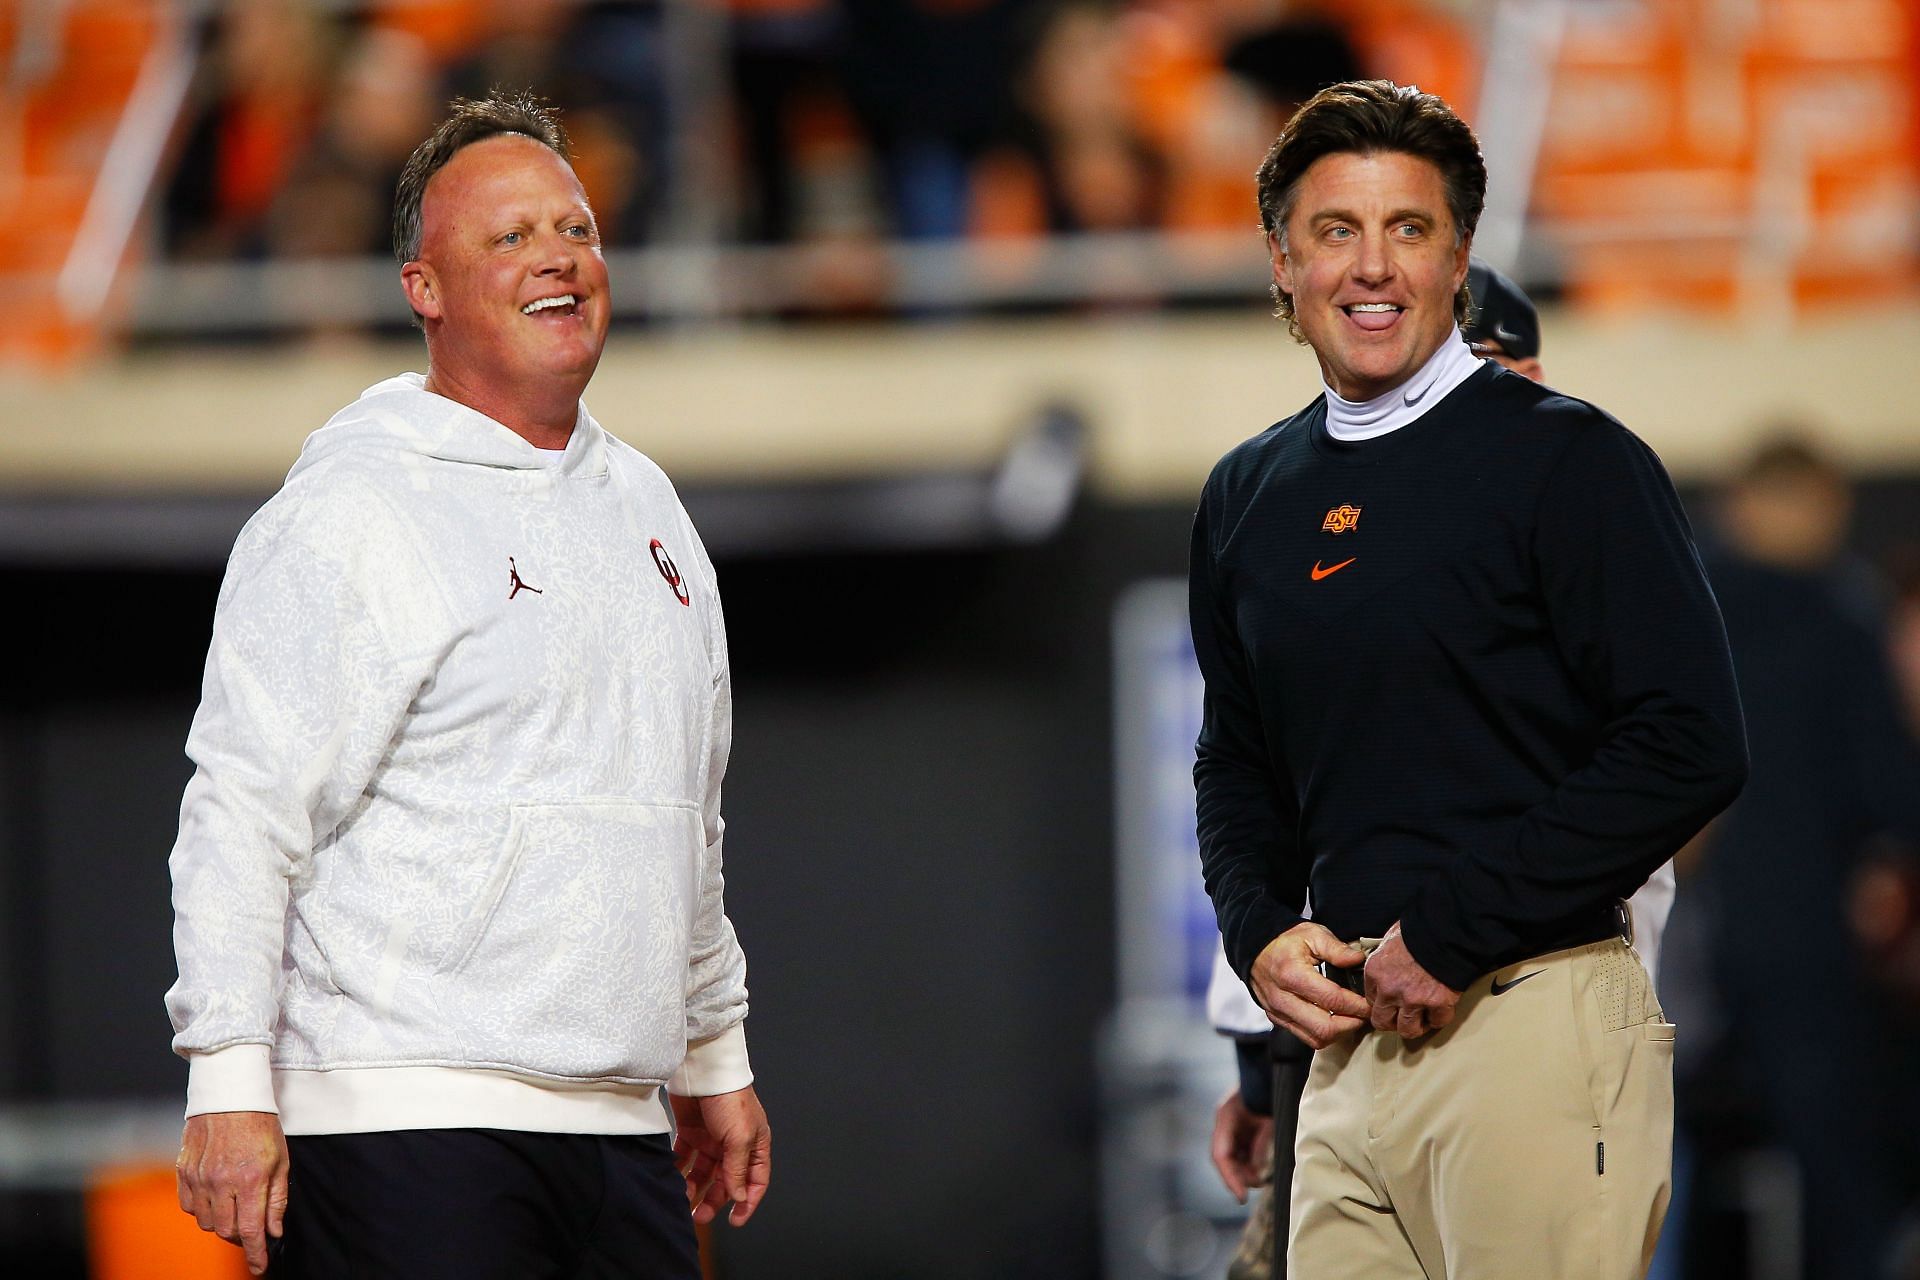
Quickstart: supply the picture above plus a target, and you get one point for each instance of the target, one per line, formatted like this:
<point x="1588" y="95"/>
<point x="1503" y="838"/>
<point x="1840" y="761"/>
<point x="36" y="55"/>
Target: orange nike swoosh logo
<point x="1330" y="570"/>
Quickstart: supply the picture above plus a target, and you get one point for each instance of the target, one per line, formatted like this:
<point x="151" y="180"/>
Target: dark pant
<point x="485" y="1204"/>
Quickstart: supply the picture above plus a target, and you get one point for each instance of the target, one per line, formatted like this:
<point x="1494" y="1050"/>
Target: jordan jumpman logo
<point x="519" y="584"/>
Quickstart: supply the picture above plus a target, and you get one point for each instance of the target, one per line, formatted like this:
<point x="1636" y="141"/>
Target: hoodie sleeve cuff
<point x="237" y="1078"/>
<point x="717" y="1064"/>
<point x="1256" y="1075"/>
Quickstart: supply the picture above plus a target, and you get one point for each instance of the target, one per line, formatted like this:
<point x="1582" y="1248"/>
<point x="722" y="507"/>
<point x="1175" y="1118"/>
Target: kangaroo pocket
<point x="574" y="961"/>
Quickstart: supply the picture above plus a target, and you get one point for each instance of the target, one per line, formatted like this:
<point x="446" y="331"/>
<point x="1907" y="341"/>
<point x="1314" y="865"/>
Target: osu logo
<point x="670" y="571"/>
<point x="1341" y="519"/>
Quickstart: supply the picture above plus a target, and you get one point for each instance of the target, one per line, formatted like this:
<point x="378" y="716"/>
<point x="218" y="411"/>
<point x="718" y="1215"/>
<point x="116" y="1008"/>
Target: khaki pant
<point x="1531" y="1139"/>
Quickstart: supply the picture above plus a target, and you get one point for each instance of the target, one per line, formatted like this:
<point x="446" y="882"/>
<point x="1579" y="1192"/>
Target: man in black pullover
<point x="1466" y="681"/>
<point x="1504" y="327"/>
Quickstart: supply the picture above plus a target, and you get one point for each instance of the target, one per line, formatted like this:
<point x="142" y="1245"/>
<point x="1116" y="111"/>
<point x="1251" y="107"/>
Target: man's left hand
<point x="1407" y="1000"/>
<point x="725" y="1152"/>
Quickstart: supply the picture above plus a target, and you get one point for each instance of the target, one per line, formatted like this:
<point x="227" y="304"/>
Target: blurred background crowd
<point x="851" y="122"/>
<point x="846" y="134"/>
<point x="938" y="312"/>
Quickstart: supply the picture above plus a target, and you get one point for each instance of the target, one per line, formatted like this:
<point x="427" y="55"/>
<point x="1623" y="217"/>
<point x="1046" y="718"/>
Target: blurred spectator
<point x="1213" y="81"/>
<point x="807" y="174"/>
<point x="929" y="80"/>
<point x="337" y="200"/>
<point x="1288" y="50"/>
<point x="1885" y="910"/>
<point x="449" y="28"/>
<point x="793" y="114"/>
<point x="1833" y="765"/>
<point x="1886" y="892"/>
<point x="260" y="100"/>
<point x="519" y="43"/>
<point x="1905" y="629"/>
<point x="602" y="67"/>
<point x="1077" y="162"/>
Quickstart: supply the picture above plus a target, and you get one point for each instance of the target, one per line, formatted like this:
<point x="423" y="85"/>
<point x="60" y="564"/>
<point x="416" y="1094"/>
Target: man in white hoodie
<point x="448" y="894"/>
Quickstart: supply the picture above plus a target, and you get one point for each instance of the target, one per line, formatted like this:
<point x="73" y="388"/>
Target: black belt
<point x="1614" y="920"/>
<point x="1352" y="977"/>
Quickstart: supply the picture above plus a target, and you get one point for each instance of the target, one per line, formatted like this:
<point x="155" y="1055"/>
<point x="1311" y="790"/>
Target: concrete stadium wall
<point x="1165" y="395"/>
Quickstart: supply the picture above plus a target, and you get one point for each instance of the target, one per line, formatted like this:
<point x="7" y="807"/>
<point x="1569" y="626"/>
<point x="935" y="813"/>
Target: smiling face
<point x="510" y="281"/>
<point x="1372" y="262"/>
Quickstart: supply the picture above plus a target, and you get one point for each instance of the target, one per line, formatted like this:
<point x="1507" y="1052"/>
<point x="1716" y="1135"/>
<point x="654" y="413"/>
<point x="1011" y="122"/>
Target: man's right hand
<point x="1289" y="986"/>
<point x="232" y="1173"/>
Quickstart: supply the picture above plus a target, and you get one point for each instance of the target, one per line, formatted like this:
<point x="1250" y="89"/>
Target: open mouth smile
<point x="566" y="304"/>
<point x="1373" y="317"/>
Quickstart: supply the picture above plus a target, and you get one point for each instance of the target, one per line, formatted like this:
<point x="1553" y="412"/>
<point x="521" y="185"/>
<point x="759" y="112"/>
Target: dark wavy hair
<point x="1368" y="116"/>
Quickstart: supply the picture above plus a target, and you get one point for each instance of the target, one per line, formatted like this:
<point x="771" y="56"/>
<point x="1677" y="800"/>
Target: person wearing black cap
<point x="1466" y="688"/>
<point x="1252" y="1145"/>
<point x="1503" y="326"/>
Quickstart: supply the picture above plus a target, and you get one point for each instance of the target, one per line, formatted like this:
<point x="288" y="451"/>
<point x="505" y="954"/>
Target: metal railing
<point x="717" y="283"/>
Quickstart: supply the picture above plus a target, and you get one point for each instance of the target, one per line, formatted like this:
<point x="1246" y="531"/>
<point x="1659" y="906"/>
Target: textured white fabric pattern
<point x="458" y="764"/>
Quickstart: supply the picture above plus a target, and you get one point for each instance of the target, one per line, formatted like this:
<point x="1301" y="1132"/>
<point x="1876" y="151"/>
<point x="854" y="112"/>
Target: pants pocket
<point x="1621" y="989"/>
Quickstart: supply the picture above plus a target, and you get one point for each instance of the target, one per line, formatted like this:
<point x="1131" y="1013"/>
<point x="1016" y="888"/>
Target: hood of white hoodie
<point x="401" y="415"/>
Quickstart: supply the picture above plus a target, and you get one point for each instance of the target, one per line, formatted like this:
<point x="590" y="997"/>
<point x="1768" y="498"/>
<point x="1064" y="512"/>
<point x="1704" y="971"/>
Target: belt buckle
<point x="1353" y="978"/>
<point x="1623" y="919"/>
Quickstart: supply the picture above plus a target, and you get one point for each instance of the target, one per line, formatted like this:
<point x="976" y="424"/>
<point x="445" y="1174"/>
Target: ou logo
<point x="670" y="571"/>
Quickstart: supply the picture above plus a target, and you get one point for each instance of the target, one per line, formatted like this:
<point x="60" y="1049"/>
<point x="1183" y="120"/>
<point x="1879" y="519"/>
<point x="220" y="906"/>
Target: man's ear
<point x="416" y="279"/>
<point x="1282" y="265"/>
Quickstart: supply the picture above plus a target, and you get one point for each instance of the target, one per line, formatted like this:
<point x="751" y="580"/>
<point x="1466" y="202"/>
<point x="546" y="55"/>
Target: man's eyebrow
<point x="1425" y="217"/>
<point x="505" y="218"/>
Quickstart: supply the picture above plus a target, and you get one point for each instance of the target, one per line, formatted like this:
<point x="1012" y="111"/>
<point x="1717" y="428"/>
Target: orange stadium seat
<point x="448" y="28"/>
<point x="67" y="115"/>
<point x="1768" y="159"/>
<point x="1417" y="42"/>
<point x="1168" y="62"/>
<point x="1186" y="106"/>
<point x="1213" y="135"/>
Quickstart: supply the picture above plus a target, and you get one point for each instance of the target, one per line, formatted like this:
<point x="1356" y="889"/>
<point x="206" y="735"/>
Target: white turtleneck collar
<point x="1449" y="366"/>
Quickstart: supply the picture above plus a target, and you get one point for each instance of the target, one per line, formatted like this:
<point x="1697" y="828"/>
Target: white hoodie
<point x="451" y="854"/>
